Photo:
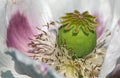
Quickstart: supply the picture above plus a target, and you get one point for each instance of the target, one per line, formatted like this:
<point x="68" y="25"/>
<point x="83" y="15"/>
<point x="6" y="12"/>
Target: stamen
<point x="46" y="51"/>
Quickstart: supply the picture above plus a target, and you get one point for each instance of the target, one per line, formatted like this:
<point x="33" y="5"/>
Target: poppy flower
<point x="32" y="27"/>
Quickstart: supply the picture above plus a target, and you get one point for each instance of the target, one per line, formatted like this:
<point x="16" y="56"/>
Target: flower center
<point x="46" y="51"/>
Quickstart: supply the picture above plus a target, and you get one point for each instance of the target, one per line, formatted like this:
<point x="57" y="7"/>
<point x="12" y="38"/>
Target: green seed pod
<point x="77" y="33"/>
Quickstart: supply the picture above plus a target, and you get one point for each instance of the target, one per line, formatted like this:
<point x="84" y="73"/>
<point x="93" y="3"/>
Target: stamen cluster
<point x="46" y="51"/>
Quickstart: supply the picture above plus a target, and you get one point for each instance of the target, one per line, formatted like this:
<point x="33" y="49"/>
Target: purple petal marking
<point x="18" y="33"/>
<point x="44" y="68"/>
<point x="115" y="73"/>
<point x="99" y="27"/>
<point x="119" y="22"/>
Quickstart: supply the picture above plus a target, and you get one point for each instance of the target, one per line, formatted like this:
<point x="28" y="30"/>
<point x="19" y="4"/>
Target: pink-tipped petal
<point x="19" y="32"/>
<point x="100" y="25"/>
<point x="119" y="22"/>
<point x="23" y="16"/>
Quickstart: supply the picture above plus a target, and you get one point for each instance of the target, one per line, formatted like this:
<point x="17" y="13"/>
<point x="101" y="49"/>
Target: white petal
<point x="102" y="9"/>
<point x="7" y="67"/>
<point x="63" y="6"/>
<point x="59" y="8"/>
<point x="112" y="54"/>
<point x="37" y="12"/>
<point x="2" y="25"/>
<point x="18" y="64"/>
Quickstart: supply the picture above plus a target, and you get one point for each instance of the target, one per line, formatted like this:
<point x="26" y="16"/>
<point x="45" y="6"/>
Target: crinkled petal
<point x="101" y="9"/>
<point x="110" y="65"/>
<point x="18" y="65"/>
<point x="23" y="16"/>
<point x="115" y="73"/>
<point x="19" y="32"/>
<point x="58" y="9"/>
<point x="2" y="25"/>
<point x="112" y="54"/>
